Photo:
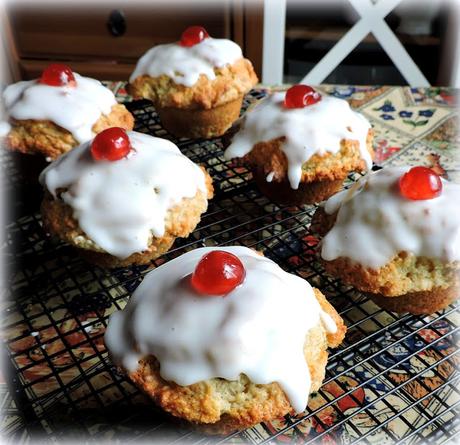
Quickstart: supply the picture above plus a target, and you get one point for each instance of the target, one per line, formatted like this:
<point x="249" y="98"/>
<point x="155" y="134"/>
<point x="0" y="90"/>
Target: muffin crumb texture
<point x="403" y="252"/>
<point x="127" y="210"/>
<point x="50" y="140"/>
<point x="225" y="362"/>
<point x="231" y="83"/>
<point x="219" y="406"/>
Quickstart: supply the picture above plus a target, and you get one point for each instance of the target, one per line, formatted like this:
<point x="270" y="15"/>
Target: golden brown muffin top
<point x="231" y="82"/>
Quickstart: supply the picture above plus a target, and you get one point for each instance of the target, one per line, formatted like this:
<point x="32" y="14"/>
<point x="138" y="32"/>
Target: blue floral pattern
<point x="387" y="107"/>
<point x="405" y="113"/>
<point x="343" y="92"/>
<point x="426" y="113"/>
<point x="387" y="117"/>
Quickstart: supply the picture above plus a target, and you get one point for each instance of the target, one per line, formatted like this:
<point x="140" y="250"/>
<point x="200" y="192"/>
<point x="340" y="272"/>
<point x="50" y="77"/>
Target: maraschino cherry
<point x="218" y="273"/>
<point x="300" y="96"/>
<point x="193" y="35"/>
<point x="111" y="144"/>
<point x="58" y="75"/>
<point x="420" y="183"/>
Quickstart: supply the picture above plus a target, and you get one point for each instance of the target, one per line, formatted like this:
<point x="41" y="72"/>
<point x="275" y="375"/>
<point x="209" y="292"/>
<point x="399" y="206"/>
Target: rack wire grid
<point x="393" y="380"/>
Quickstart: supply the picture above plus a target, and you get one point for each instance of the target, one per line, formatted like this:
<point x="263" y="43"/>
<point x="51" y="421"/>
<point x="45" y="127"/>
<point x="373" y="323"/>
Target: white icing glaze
<point x="258" y="329"/>
<point x="375" y="222"/>
<point x="75" y="109"/>
<point x="185" y="64"/>
<point x="315" y="129"/>
<point x="5" y="128"/>
<point x="328" y="322"/>
<point x="120" y="204"/>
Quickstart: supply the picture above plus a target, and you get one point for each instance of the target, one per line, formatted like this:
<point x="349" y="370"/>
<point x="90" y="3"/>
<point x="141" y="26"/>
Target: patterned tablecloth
<point x="412" y="126"/>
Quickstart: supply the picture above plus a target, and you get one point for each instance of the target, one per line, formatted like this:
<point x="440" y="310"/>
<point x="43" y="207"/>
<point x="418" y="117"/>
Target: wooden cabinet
<point x="83" y="36"/>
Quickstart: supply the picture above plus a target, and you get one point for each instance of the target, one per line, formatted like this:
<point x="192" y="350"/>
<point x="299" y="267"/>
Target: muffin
<point x="123" y="197"/>
<point x="300" y="145"/>
<point x="197" y="84"/>
<point x="396" y="236"/>
<point x="51" y="115"/>
<point x="224" y="338"/>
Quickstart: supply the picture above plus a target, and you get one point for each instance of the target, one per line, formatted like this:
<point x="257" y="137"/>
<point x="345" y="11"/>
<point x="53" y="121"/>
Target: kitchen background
<point x="104" y="39"/>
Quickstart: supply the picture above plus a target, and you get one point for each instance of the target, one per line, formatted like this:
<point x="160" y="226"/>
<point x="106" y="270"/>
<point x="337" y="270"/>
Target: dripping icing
<point x="252" y="330"/>
<point x="314" y="129"/>
<point x="121" y="204"/>
<point x="74" y="108"/>
<point x="375" y="222"/>
<point x="185" y="64"/>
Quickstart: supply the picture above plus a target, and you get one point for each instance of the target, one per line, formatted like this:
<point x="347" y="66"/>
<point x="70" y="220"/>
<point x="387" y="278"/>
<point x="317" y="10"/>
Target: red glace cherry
<point x="111" y="145"/>
<point x="218" y="273"/>
<point x="420" y="183"/>
<point x="58" y="75"/>
<point x="300" y="96"/>
<point x="193" y="35"/>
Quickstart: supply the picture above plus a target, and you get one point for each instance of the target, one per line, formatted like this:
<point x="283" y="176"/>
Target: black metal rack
<point x="394" y="379"/>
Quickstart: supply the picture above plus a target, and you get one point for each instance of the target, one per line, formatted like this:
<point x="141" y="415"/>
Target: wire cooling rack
<point x="393" y="380"/>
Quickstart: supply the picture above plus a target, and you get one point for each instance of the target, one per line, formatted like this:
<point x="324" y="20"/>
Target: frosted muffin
<point x="53" y="114"/>
<point x="224" y="338"/>
<point x="124" y="197"/>
<point x="196" y="84"/>
<point x="396" y="236"/>
<point x="300" y="145"/>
